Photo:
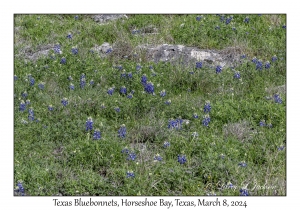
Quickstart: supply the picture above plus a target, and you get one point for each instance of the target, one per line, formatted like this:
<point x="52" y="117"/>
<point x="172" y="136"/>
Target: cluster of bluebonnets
<point x="149" y="88"/>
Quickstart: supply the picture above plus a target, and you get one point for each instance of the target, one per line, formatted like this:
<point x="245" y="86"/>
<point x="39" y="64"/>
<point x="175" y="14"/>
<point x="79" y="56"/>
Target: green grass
<point x="58" y="156"/>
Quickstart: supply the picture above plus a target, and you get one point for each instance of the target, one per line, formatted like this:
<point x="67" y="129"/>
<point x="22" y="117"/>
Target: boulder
<point x="179" y="54"/>
<point x="103" y="18"/>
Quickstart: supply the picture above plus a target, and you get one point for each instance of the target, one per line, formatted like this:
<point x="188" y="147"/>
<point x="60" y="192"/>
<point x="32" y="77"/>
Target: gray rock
<point x="188" y="56"/>
<point x="103" y="18"/>
<point x="28" y="53"/>
<point x="102" y="49"/>
<point x="278" y="89"/>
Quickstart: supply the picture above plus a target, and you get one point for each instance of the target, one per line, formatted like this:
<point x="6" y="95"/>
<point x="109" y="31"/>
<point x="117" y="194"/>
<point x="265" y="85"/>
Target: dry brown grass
<point x="275" y="20"/>
<point x="241" y="130"/>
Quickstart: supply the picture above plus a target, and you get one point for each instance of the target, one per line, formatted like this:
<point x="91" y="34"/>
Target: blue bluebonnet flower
<point x="149" y="87"/>
<point x="195" y="134"/>
<point x="15" y="77"/>
<point x="102" y="106"/>
<point x="233" y="28"/>
<point x="218" y="69"/>
<point x="191" y="72"/>
<point x="130" y="174"/>
<point x="92" y="82"/>
<point x="20" y="189"/>
<point x="109" y="50"/>
<point x="267" y="65"/>
<point x="163" y="93"/>
<point x="168" y="102"/>
<point x="270" y="125"/>
<point x="70" y="78"/>
<point x="254" y="60"/>
<point x="41" y="85"/>
<point x="280" y="148"/>
<point x="64" y="101"/>
<point x="123" y="74"/>
<point x="138" y="67"/>
<point x="237" y="75"/>
<point x="22" y="106"/>
<point x="207" y="107"/>
<point x="119" y="67"/>
<point x="277" y="98"/>
<point x="274" y="58"/>
<point x="82" y="82"/>
<point x="243" y="56"/>
<point x="181" y="159"/>
<point x="246" y="20"/>
<point x="122" y="131"/>
<point x="157" y="157"/>
<point x="144" y="79"/>
<point x="50" y="107"/>
<point x="76" y="17"/>
<point x="24" y="121"/>
<point x="222" y="17"/>
<point x="228" y="20"/>
<point x="69" y="36"/>
<point x="129" y="75"/>
<point x="97" y="134"/>
<point x="135" y="31"/>
<point x="117" y="109"/>
<point x="244" y="192"/>
<point x="177" y="124"/>
<point x="129" y="96"/>
<point x="222" y="156"/>
<point x="262" y="123"/>
<point x="259" y="65"/>
<point x="31" y="80"/>
<point x="150" y="67"/>
<point x="111" y="90"/>
<point x="195" y="115"/>
<point x="63" y="60"/>
<point x="284" y="26"/>
<point x="242" y="164"/>
<point x="166" y="144"/>
<point x="123" y="90"/>
<point x="217" y="28"/>
<point x="89" y="124"/>
<point x="72" y="87"/>
<point x="131" y="156"/>
<point x="74" y="50"/>
<point x="82" y="76"/>
<point x="206" y="120"/>
<point x="24" y="94"/>
<point x="125" y="150"/>
<point x="132" y="92"/>
<point x="30" y="114"/>
<point x="198" y="65"/>
<point x="57" y="49"/>
<point x="230" y="185"/>
<point x="198" y="18"/>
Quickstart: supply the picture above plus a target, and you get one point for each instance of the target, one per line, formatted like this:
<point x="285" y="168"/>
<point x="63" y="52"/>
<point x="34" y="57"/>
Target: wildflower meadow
<point x="115" y="122"/>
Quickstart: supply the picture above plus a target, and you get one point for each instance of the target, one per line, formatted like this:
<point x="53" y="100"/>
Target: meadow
<point x="120" y="124"/>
